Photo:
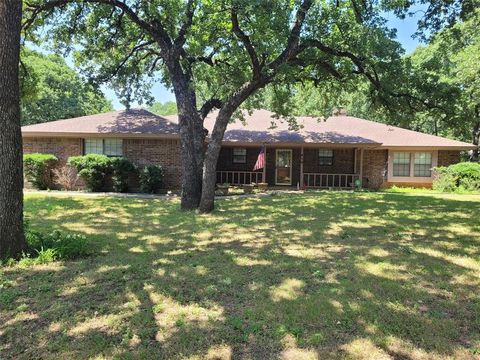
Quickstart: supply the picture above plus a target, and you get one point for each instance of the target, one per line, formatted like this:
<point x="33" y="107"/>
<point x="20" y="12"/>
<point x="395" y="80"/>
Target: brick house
<point x="322" y="153"/>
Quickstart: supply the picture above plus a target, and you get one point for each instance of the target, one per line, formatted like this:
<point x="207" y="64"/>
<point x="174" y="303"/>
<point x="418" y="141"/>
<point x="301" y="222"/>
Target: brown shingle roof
<point x="133" y="122"/>
<point x="339" y="129"/>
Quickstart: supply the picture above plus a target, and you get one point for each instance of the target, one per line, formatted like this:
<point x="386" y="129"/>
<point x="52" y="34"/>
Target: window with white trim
<point x="401" y="164"/>
<point x="108" y="147"/>
<point x="239" y="155"/>
<point x="325" y="157"/>
<point x="422" y="164"/>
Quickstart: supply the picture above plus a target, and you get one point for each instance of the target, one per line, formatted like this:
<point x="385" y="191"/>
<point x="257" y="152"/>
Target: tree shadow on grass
<point x="322" y="275"/>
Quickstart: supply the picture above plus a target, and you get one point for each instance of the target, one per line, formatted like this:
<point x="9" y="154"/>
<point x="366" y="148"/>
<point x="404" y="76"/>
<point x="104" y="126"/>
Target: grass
<point x="318" y="275"/>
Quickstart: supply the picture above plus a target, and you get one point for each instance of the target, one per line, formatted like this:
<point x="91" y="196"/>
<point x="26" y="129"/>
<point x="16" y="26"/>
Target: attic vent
<point x="339" y="111"/>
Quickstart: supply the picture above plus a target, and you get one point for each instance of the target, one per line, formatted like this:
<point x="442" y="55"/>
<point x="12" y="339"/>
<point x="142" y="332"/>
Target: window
<point x="93" y="146"/>
<point x="401" y="164"/>
<point x="109" y="147"/>
<point x="239" y="155"/>
<point x="113" y="147"/>
<point x="422" y="165"/>
<point x="325" y="157"/>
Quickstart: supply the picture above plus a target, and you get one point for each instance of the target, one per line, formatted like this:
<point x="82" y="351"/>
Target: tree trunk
<point x="12" y="240"/>
<point x="207" y="202"/>
<point x="192" y="150"/>
<point x="192" y="137"/>
<point x="475" y="140"/>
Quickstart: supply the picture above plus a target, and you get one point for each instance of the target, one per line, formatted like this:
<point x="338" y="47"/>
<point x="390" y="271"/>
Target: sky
<point x="405" y="29"/>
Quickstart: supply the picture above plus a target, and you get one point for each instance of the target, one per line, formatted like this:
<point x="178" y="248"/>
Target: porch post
<point x="301" y="168"/>
<point x="361" y="165"/>
<point x="355" y="160"/>
<point x="264" y="171"/>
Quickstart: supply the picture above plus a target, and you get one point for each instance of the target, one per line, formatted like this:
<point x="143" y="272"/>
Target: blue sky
<point x="405" y="29"/>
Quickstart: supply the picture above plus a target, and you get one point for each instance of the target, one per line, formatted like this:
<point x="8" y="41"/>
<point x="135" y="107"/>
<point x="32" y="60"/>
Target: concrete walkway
<point x="145" y="196"/>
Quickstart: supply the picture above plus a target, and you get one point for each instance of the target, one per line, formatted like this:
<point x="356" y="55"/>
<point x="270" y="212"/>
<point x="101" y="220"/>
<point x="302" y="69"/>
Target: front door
<point x="283" y="172"/>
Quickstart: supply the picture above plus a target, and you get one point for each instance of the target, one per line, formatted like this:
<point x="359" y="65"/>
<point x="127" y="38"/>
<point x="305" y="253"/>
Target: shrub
<point x="92" y="168"/>
<point x="65" y="177"/>
<point x="458" y="177"/>
<point x="122" y="167"/>
<point x="37" y="168"/>
<point x="444" y="182"/>
<point x="151" y="179"/>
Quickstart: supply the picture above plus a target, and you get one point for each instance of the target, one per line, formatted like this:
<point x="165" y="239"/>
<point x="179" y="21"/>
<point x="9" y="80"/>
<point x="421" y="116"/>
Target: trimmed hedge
<point x="92" y="168"/>
<point x="37" y="167"/>
<point x="459" y="177"/>
<point x="122" y="167"/>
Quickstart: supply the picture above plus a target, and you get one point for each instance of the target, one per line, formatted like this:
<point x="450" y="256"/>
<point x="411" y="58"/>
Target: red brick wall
<point x="448" y="157"/>
<point x="343" y="162"/>
<point x="62" y="148"/>
<point x="160" y="152"/>
<point x="374" y="168"/>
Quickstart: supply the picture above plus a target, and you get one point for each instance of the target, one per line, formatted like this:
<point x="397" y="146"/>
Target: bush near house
<point x="93" y="169"/>
<point x="461" y="177"/>
<point x="122" y="168"/>
<point x="151" y="179"/>
<point x="37" y="169"/>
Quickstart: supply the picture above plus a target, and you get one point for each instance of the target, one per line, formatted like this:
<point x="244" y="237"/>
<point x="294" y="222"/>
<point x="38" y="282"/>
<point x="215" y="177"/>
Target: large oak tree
<point x="218" y="55"/>
<point x="12" y="240"/>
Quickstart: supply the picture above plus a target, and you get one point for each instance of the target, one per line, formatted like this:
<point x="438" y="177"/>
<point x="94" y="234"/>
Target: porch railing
<point x="239" y="177"/>
<point x="318" y="180"/>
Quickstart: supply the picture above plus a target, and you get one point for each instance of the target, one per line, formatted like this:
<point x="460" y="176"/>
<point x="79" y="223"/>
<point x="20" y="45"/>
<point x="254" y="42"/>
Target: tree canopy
<point x="52" y="90"/>
<point x="163" y="108"/>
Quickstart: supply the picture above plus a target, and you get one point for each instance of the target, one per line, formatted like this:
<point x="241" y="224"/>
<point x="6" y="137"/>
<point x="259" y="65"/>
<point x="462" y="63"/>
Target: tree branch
<point x="209" y="105"/>
<point x="245" y="39"/>
<point x="132" y="52"/>
<point x="180" y="40"/>
<point x="290" y="50"/>
<point x="155" y="29"/>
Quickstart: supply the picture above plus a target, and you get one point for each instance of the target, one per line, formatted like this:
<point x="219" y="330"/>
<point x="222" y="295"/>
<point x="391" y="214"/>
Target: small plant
<point x="48" y="247"/>
<point x="151" y="179"/>
<point x="92" y="168"/>
<point x="65" y="177"/>
<point x="37" y="169"/>
<point x="122" y="167"/>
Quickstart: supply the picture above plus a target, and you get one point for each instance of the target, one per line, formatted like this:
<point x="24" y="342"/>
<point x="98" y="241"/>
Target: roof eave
<point x="430" y="147"/>
<point x="29" y="134"/>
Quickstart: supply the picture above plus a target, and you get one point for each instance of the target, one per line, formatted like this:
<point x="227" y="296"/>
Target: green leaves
<point x="37" y="168"/>
<point x="51" y="90"/>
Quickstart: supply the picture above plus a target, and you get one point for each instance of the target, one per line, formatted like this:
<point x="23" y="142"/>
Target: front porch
<point x="292" y="166"/>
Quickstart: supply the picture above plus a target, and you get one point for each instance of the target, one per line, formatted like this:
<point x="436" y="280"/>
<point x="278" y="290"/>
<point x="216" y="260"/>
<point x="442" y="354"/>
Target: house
<point x="321" y="153"/>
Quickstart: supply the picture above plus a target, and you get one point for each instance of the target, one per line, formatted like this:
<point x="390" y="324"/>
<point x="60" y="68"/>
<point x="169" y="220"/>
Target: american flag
<point x="260" y="160"/>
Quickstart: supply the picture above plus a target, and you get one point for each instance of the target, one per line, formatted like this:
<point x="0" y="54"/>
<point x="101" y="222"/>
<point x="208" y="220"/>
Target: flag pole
<point x="264" y="173"/>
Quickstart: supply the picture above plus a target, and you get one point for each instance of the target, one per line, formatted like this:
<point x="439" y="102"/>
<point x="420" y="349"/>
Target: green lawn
<point x="319" y="275"/>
